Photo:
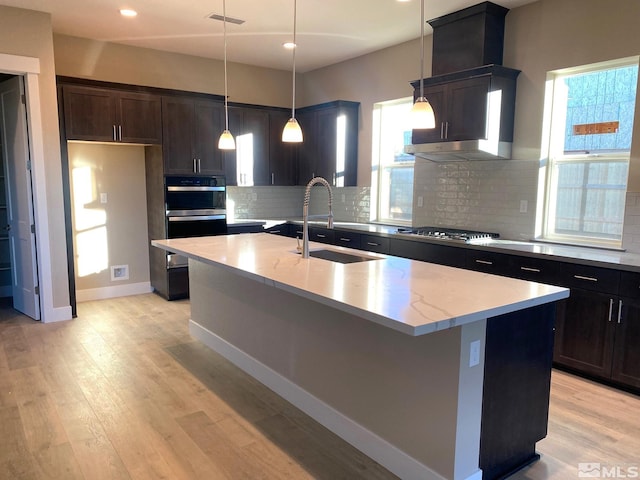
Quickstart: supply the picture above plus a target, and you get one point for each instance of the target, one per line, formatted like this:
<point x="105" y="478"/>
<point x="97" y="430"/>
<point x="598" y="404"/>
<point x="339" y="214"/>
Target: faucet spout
<point x="305" y="212"/>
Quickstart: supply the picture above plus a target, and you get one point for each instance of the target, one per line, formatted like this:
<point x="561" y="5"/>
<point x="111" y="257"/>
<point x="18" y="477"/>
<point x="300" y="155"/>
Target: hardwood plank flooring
<point x="124" y="392"/>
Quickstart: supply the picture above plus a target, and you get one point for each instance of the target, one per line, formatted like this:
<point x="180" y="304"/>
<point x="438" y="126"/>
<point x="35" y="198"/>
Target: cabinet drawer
<point x="630" y="284"/>
<point x="323" y="235"/>
<point x="282" y="229"/>
<point x="489" y="262"/>
<point x="598" y="279"/>
<point x="347" y="239"/>
<point x="374" y="243"/>
<point x="533" y="269"/>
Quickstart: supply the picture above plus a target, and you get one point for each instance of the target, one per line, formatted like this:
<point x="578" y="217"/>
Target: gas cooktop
<point x="443" y="233"/>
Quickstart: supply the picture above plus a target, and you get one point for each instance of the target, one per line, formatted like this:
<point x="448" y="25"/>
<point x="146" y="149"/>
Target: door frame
<point x="29" y="69"/>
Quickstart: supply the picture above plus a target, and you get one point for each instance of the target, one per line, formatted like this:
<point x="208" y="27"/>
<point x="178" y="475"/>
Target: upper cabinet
<point x="191" y="127"/>
<point x="108" y="115"/>
<point x="330" y="146"/>
<point x="476" y="104"/>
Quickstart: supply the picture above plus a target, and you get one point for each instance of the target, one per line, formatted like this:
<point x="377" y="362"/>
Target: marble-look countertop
<point x="599" y="257"/>
<point x="409" y="296"/>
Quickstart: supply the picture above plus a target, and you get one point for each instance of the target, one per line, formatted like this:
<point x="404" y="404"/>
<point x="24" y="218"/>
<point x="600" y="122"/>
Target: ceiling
<point x="328" y="31"/>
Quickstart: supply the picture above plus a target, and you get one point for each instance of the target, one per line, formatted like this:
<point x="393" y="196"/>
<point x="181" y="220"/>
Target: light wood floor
<point x="124" y="392"/>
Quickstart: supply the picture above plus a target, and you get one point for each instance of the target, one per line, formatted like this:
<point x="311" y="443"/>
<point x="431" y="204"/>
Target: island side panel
<point x="403" y="389"/>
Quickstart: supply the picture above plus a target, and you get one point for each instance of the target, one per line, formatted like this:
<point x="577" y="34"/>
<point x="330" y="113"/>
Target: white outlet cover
<point x="474" y="353"/>
<point x="119" y="272"/>
<point x="103" y="198"/>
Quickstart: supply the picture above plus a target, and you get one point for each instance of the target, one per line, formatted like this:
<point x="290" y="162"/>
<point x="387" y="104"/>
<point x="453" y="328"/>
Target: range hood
<point x="472" y="94"/>
<point x="460" y="151"/>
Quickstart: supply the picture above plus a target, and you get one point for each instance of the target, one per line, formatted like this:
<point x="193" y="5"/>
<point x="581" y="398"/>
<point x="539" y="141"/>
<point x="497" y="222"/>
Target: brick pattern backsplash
<point x="481" y="195"/>
<point x="350" y="204"/>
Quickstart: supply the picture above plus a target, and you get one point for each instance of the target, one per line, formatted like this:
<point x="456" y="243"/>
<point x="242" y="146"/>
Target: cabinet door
<point x="208" y="125"/>
<point x="140" y="119"/>
<point x="89" y="113"/>
<point x="282" y="155"/>
<point x="626" y="357"/>
<point x="325" y="144"/>
<point x="585" y="329"/>
<point x="307" y="150"/>
<point x="467" y="109"/>
<point x="256" y="132"/>
<point x="436" y="95"/>
<point x="177" y="136"/>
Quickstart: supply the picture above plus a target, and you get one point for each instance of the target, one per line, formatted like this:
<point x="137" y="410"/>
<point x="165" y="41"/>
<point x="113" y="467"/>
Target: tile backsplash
<point x="631" y="232"/>
<point x="350" y="204"/>
<point x="481" y="195"/>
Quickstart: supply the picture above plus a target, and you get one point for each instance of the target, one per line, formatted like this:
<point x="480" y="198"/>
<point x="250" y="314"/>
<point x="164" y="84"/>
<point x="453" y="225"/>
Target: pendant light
<point x="422" y="115"/>
<point x="292" y="132"/>
<point x="226" y="141"/>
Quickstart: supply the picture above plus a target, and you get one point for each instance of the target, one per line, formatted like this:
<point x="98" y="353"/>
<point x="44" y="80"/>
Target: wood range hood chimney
<point x="468" y="38"/>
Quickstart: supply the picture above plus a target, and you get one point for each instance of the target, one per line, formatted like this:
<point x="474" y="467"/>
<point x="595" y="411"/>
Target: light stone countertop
<point x="409" y="296"/>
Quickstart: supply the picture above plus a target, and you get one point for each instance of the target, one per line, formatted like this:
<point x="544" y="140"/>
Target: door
<point x="19" y="198"/>
<point x="626" y="354"/>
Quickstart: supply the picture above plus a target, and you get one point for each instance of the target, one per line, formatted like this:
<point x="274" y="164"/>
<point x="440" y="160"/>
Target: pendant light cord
<point x="295" y="46"/>
<point x="422" y="49"/>
<point x="226" y="106"/>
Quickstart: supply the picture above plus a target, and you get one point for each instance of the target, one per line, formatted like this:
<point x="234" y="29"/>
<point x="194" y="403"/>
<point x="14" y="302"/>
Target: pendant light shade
<point x="292" y="132"/>
<point x="226" y="141"/>
<point x="422" y="115"/>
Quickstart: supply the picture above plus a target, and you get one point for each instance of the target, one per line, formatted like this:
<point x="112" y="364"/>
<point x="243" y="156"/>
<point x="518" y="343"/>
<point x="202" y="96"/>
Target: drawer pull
<point x="274" y="231"/>
<point x="620" y="312"/>
<point x="320" y="235"/>
<point x="373" y="244"/>
<point x="610" y="307"/>
<point x="484" y="262"/>
<point x="529" y="269"/>
<point x="581" y="277"/>
<point x="345" y="239"/>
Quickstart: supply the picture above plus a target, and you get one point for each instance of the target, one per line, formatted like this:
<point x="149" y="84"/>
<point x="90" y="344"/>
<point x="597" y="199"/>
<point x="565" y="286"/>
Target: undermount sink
<point x="340" y="257"/>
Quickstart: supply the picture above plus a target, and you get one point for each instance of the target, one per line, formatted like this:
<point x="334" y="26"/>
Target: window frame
<point x="553" y="155"/>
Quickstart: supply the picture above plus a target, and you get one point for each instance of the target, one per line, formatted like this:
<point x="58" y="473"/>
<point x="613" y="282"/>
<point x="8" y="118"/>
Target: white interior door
<point x="20" y="226"/>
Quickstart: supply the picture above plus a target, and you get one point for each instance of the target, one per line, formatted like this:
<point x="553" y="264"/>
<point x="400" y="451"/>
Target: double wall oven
<point x="195" y="207"/>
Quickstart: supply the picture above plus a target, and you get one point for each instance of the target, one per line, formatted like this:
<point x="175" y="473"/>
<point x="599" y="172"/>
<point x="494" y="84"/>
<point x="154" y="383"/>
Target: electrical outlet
<point x="103" y="198"/>
<point x="420" y="201"/>
<point x="524" y="206"/>
<point x="474" y="353"/>
<point x="254" y="196"/>
<point x="119" y="272"/>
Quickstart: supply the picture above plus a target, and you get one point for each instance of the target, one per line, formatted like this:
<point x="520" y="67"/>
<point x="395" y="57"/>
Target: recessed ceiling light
<point x="127" y="12"/>
<point x="289" y="45"/>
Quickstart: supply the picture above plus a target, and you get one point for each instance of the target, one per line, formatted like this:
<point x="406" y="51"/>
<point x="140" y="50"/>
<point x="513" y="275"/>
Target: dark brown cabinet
<point x="191" y="128"/>
<point x="470" y="105"/>
<point x="330" y="146"/>
<point x="248" y="164"/>
<point x="106" y="115"/>
<point x="282" y="155"/>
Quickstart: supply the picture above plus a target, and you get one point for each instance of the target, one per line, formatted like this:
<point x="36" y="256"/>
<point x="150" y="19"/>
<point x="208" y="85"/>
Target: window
<point x="393" y="171"/>
<point x="590" y="129"/>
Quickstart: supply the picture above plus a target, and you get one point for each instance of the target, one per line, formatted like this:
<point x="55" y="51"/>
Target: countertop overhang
<point x="409" y="296"/>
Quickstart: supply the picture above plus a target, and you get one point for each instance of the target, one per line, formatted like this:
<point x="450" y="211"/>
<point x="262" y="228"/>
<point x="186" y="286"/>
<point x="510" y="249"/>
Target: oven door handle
<point x="196" y="218"/>
<point x="196" y="189"/>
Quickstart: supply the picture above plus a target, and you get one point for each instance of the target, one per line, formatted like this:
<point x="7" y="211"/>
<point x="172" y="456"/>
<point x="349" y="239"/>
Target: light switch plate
<point x="474" y="353"/>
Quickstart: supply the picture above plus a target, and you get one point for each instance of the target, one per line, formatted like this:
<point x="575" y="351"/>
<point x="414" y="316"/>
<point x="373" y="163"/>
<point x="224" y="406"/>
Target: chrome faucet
<point x="305" y="212"/>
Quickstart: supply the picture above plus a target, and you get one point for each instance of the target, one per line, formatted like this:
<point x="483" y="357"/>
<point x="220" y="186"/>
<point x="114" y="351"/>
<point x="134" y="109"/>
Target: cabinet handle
<point x="441" y="130"/>
<point x="334" y="180"/>
<point x="274" y="231"/>
<point x="581" y="277"/>
<point x="529" y="269"/>
<point x="620" y="312"/>
<point x="345" y="239"/>
<point x="273" y="179"/>
<point x="194" y="166"/>
<point x="199" y="166"/>
<point x="484" y="262"/>
<point x="320" y="235"/>
<point x="373" y="244"/>
<point x="446" y="130"/>
<point x="610" y="307"/>
<point x="119" y="133"/>
<point x="115" y="139"/>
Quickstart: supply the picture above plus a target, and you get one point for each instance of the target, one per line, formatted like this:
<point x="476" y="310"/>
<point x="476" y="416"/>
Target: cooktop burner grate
<point x="454" y="234"/>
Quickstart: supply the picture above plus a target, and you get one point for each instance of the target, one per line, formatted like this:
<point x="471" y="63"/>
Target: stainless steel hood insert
<point x="467" y="150"/>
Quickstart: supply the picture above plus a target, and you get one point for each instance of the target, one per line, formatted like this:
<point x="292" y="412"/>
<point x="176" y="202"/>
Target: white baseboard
<point x="102" y="293"/>
<point x="386" y="454"/>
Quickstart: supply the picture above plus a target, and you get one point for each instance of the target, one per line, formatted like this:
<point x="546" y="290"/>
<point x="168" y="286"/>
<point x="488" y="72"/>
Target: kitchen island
<point x="433" y="371"/>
